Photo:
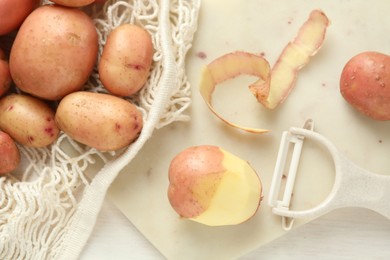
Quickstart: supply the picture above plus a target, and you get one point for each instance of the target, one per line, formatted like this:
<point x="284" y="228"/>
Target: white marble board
<point x="260" y="26"/>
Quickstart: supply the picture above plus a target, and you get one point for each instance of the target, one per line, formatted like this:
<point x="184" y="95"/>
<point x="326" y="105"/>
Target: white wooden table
<point x="343" y="234"/>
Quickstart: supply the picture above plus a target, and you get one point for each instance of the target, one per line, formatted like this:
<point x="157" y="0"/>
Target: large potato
<point x="54" y="52"/>
<point x="126" y="60"/>
<point x="102" y="121"/>
<point x="13" y="13"/>
<point x="28" y="120"/>
<point x="9" y="154"/>
<point x="365" y="84"/>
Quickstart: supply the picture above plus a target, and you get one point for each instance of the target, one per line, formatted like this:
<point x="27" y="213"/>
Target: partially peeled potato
<point x="212" y="186"/>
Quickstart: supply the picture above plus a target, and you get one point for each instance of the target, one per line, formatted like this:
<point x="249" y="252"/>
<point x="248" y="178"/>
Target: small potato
<point x="73" y="3"/>
<point x="365" y="84"/>
<point x="13" y="13"/>
<point x="28" y="120"/>
<point x="9" y="154"/>
<point x="54" y="52"/>
<point x="102" y="121"/>
<point x="126" y="60"/>
<point x="5" y="77"/>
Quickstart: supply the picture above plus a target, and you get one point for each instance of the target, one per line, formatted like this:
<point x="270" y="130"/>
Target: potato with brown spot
<point x="9" y="154"/>
<point x="365" y="84"/>
<point x="126" y="60"/>
<point x="28" y="120"/>
<point x="102" y="121"/>
<point x="54" y="52"/>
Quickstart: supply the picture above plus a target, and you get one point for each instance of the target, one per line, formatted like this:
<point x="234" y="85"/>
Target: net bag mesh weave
<point x="49" y="205"/>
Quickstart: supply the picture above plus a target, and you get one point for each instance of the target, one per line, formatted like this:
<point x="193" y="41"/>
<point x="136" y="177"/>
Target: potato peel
<point x="294" y="57"/>
<point x="273" y="86"/>
<point x="227" y="67"/>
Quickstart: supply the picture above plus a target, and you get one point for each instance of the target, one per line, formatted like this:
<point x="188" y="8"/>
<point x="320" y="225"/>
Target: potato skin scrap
<point x="230" y="66"/>
<point x="365" y="84"/>
<point x="273" y="85"/>
<point x="294" y="57"/>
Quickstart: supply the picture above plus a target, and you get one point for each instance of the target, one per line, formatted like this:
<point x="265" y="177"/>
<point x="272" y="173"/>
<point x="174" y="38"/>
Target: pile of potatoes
<point x="43" y="70"/>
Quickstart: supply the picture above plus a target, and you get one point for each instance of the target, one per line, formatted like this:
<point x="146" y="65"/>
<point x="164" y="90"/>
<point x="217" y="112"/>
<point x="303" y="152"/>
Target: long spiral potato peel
<point x="273" y="85"/>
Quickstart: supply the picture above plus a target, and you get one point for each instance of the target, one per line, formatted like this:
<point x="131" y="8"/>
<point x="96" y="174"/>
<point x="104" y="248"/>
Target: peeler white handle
<point x="353" y="187"/>
<point x="357" y="187"/>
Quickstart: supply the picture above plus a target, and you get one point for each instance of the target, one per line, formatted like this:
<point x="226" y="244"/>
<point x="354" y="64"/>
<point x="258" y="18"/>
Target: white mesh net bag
<point x="49" y="205"/>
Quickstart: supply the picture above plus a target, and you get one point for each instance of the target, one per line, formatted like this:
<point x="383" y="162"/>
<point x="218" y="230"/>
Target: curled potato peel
<point x="229" y="66"/>
<point x="273" y="85"/>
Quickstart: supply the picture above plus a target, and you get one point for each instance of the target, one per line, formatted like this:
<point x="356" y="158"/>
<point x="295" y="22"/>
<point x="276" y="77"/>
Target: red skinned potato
<point x="212" y="186"/>
<point x="5" y="75"/>
<point x="2" y="54"/>
<point x="54" y="52"/>
<point x="126" y="60"/>
<point x="13" y="13"/>
<point x="73" y="3"/>
<point x="28" y="120"/>
<point x="365" y="84"/>
<point x="9" y="154"/>
<point x="102" y="121"/>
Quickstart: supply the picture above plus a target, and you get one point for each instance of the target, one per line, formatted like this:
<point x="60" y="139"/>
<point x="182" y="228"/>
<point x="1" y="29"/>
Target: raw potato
<point x="365" y="84"/>
<point x="102" y="121"/>
<point x="73" y="3"/>
<point x="13" y="13"/>
<point x="212" y="186"/>
<point x="54" y="52"/>
<point x="126" y="60"/>
<point x="5" y="75"/>
<point x="28" y="120"/>
<point x="9" y="154"/>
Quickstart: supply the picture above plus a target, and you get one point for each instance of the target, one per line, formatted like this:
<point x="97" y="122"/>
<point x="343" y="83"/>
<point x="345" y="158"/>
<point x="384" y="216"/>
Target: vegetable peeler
<point x="353" y="186"/>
